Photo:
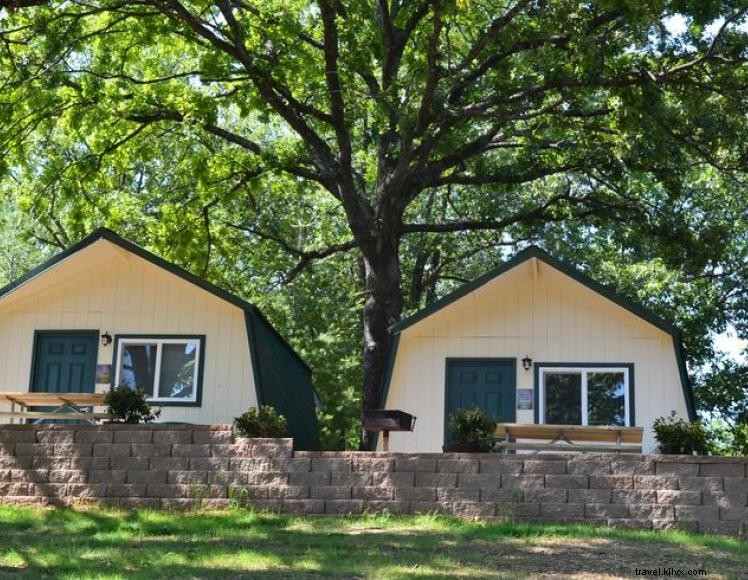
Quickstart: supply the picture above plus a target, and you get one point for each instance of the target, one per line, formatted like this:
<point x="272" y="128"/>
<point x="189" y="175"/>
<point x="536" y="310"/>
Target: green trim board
<point x="448" y="360"/>
<point x="577" y="275"/>
<point x="283" y="383"/>
<point x="585" y="365"/>
<point x="200" y="368"/>
<point x="127" y="245"/>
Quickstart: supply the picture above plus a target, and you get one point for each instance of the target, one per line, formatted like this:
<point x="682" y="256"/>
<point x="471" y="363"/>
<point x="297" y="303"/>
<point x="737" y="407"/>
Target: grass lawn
<point x="241" y="543"/>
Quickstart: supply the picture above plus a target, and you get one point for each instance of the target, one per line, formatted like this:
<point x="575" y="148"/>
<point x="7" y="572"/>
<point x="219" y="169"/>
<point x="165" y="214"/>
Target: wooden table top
<point x="571" y="432"/>
<point x="53" y="399"/>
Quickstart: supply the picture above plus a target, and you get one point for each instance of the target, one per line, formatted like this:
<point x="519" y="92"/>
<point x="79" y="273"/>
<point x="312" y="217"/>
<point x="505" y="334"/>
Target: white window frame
<point x="159" y="342"/>
<point x="584" y="371"/>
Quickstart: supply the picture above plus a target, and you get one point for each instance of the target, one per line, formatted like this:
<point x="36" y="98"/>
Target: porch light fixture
<point x="527" y="363"/>
<point x="106" y="339"/>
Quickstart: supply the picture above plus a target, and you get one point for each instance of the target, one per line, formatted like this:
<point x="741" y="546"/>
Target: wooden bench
<point x="66" y="406"/>
<point x="576" y="438"/>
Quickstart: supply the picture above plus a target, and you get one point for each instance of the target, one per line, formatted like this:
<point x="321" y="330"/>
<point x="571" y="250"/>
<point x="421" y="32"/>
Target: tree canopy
<point x="343" y="162"/>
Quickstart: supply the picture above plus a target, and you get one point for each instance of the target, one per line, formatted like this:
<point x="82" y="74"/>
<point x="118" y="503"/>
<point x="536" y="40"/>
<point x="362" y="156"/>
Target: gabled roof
<point x="572" y="272"/>
<point x="565" y="268"/>
<point x="127" y="245"/>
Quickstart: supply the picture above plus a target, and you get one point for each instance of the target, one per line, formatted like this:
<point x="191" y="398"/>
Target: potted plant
<point x="264" y="422"/>
<point x="680" y="437"/>
<point x="126" y="405"/>
<point x="471" y="431"/>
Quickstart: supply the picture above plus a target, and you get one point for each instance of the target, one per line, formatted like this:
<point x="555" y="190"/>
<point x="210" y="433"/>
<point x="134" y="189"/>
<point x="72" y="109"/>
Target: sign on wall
<point x="524" y="399"/>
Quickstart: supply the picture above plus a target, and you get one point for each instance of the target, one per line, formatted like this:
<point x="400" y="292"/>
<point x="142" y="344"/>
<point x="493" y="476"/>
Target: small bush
<point x="680" y="437"/>
<point x="472" y="427"/>
<point x="127" y="405"/>
<point x="262" y="422"/>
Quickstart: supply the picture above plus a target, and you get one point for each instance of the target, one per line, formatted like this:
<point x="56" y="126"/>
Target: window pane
<point x="138" y="366"/>
<point x="605" y="398"/>
<point x="563" y="398"/>
<point x="177" y="370"/>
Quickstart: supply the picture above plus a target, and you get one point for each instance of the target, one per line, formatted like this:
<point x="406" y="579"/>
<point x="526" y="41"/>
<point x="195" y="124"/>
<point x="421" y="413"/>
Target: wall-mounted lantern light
<point x="527" y="363"/>
<point x="106" y="339"/>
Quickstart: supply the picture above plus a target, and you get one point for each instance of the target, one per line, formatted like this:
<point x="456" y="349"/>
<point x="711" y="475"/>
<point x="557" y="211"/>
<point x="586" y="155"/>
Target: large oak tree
<point x="415" y="117"/>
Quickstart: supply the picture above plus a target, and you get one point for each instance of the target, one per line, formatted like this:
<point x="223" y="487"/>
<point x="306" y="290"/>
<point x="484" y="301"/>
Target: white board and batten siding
<point x="531" y="309"/>
<point x="110" y="290"/>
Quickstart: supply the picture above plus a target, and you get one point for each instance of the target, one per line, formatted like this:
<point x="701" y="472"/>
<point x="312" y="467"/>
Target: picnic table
<point x="65" y="406"/>
<point x="583" y="438"/>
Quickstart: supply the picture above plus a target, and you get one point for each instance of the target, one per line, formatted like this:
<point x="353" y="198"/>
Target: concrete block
<point x="428" y="507"/>
<point x="593" y="465"/>
<point x="632" y="466"/>
<point x="473" y="510"/>
<point x="554" y="496"/>
<point x="304" y="506"/>
<point x="478" y="480"/>
<point x="107" y="476"/>
<point x="324" y="464"/>
<point x="522" y="482"/>
<point x="131" y="463"/>
<point x="670" y="497"/>
<point x="355" y="478"/>
<point x="111" y="450"/>
<point x="503" y="495"/>
<point x="736" y="484"/>
<point x="29" y="475"/>
<point x="171" y="463"/>
<point x="68" y="476"/>
<point x="651" y="511"/>
<point x="344" y="506"/>
<point x="330" y="492"/>
<point x="131" y="436"/>
<point x="544" y="466"/>
<point x="170" y="437"/>
<point x="268" y="478"/>
<point x="567" y="481"/>
<point x="73" y="450"/>
<point x="722" y="470"/>
<point x="659" y="482"/>
<point x="229" y="478"/>
<point x="501" y="465"/>
<point x="289" y="492"/>
<point x="458" y="494"/>
<point x="562" y="511"/>
<point x="187" y="477"/>
<point x="405" y="463"/>
<point x="678" y="469"/>
<point x="426" y="479"/>
<point x="147" y="476"/>
<point x="126" y="490"/>
<point x="55" y="437"/>
<point x="211" y="437"/>
<point x="372" y="464"/>
<point x="401" y="479"/>
<point x="190" y="450"/>
<point x="87" y="490"/>
<point x="373" y="493"/>
<point x="596" y="496"/>
<point x="458" y="465"/>
<point x="209" y="464"/>
<point x="386" y="506"/>
<point x="727" y="500"/>
<point x="415" y="493"/>
<point x="700" y="513"/>
<point x="708" y="484"/>
<point x="606" y="510"/>
<point x="631" y="496"/>
<point x="93" y="436"/>
<point x="319" y="478"/>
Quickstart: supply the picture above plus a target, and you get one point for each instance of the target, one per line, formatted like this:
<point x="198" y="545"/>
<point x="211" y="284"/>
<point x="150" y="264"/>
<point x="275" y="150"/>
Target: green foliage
<point x="127" y="405"/>
<point x="472" y="427"/>
<point x="679" y="437"/>
<point x="262" y="422"/>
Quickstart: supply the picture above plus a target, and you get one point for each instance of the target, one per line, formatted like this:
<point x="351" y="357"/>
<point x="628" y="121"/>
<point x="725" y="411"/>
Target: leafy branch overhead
<point x="378" y="126"/>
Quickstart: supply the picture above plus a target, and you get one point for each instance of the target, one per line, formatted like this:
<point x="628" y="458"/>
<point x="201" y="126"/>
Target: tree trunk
<point x="383" y="306"/>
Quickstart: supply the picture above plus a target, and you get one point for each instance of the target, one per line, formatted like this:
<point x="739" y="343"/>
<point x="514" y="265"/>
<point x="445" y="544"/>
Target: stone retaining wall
<point x="165" y="466"/>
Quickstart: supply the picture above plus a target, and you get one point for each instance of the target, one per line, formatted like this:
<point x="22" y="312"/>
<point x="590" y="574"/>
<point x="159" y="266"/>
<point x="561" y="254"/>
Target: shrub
<point x="677" y="436"/>
<point x="127" y="405"/>
<point x="262" y="422"/>
<point x="473" y="428"/>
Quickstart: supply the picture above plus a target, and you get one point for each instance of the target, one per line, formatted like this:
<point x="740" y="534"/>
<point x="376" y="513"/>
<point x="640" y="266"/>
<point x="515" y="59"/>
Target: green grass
<point x="240" y="543"/>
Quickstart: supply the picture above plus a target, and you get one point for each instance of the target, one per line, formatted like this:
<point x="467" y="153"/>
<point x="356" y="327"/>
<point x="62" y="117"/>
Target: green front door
<point x="487" y="383"/>
<point x="64" y="362"/>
